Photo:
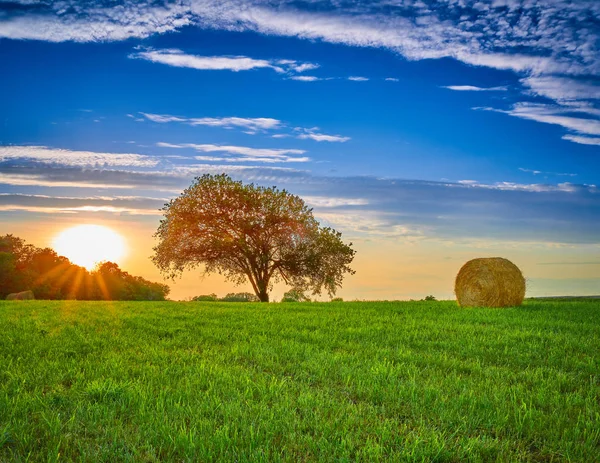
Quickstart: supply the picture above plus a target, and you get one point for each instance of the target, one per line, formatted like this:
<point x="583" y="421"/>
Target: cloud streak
<point x="248" y="123"/>
<point x="555" y="115"/>
<point x="471" y="88"/>
<point x="178" y="58"/>
<point x="314" y="134"/>
<point x="250" y="154"/>
<point x="251" y="126"/>
<point x="75" y="158"/>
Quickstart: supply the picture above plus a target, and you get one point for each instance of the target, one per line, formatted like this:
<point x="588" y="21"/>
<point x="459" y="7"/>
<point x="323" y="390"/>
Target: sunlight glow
<point x="87" y="245"/>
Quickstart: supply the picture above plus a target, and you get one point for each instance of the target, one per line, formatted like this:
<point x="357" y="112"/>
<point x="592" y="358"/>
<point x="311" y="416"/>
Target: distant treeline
<point x="50" y="276"/>
<point x="293" y="295"/>
<point x="231" y="297"/>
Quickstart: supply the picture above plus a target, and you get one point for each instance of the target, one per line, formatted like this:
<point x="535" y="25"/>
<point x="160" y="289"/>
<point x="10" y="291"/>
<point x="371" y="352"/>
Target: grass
<point x="347" y="381"/>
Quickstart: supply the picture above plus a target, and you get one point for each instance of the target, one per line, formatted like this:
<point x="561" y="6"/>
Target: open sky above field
<point x="428" y="132"/>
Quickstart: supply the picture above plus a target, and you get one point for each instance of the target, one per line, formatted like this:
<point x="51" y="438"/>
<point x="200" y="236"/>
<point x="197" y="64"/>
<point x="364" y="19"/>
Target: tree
<point x="250" y="233"/>
<point x="206" y="298"/>
<point x="295" y="295"/>
<point x="10" y="280"/>
<point x="240" y="297"/>
<point x="115" y="284"/>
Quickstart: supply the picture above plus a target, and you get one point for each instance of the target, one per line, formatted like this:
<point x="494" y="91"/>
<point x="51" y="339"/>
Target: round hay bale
<point x="489" y="282"/>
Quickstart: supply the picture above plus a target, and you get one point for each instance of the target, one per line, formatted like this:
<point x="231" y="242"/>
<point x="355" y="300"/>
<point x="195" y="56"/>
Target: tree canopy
<point x="250" y="233"/>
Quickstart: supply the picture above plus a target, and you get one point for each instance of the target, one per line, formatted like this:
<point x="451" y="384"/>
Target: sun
<point x="86" y="245"/>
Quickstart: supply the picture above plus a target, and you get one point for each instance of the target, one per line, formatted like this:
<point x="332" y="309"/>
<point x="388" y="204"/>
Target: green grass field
<point x="347" y="381"/>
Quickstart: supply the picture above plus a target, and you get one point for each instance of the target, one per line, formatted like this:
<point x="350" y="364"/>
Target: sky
<point x="427" y="132"/>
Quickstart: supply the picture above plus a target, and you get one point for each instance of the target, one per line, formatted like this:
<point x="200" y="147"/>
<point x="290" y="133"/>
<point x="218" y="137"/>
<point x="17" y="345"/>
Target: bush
<point x="240" y="297"/>
<point x="205" y="298"/>
<point x="295" y="295"/>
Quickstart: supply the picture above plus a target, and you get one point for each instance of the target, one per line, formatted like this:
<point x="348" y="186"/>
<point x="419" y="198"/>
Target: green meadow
<point x="340" y="381"/>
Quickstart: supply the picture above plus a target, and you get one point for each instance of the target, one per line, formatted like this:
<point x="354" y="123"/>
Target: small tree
<point x="295" y="295"/>
<point x="206" y="298"/>
<point x="240" y="297"/>
<point x="250" y="233"/>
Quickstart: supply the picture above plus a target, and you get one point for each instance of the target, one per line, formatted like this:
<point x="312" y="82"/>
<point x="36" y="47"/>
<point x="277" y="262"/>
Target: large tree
<point x="250" y="233"/>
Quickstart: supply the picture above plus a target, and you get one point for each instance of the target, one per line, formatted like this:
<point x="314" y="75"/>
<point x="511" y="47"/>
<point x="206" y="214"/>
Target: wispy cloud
<point x="582" y="140"/>
<point x="314" y="134"/>
<point x="37" y="179"/>
<point x="324" y="201"/>
<point x="471" y="88"/>
<point x="75" y="158"/>
<point x="392" y="79"/>
<point x="249" y="123"/>
<point x="251" y="126"/>
<point x="553" y="114"/>
<point x="74" y="210"/>
<point x="562" y="89"/>
<point x="295" y="66"/>
<point x="250" y="154"/>
<point x="178" y="58"/>
<point x="358" y="79"/>
<point x="541" y="172"/>
<point x="171" y="178"/>
<point x="70" y="205"/>
<point x="531" y="187"/>
<point x="305" y="78"/>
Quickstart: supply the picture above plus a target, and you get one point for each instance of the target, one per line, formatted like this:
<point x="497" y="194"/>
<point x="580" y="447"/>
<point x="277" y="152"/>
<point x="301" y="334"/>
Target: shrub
<point x="205" y="298"/>
<point x="240" y="297"/>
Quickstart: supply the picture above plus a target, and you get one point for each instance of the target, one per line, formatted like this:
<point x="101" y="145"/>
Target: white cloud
<point x="471" y="88"/>
<point x="250" y="154"/>
<point x="251" y="123"/>
<point x="305" y="78"/>
<point x="74" y="210"/>
<point x="358" y="79"/>
<point x="561" y="89"/>
<point x="75" y="158"/>
<point x="538" y="172"/>
<point x="529" y="187"/>
<point x="582" y="140"/>
<point x="313" y="134"/>
<point x="392" y="79"/>
<point x="70" y="20"/>
<point x="178" y="58"/>
<point x="295" y="66"/>
<point x="41" y="181"/>
<point x="552" y="114"/>
<point x="326" y="201"/>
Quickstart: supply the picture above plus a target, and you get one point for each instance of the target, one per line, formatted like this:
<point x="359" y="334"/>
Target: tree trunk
<point x="263" y="295"/>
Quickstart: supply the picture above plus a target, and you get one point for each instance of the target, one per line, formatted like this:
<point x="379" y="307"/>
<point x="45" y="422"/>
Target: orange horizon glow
<point x="89" y="244"/>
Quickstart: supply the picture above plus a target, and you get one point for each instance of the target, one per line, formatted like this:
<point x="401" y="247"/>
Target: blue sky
<point x="418" y="123"/>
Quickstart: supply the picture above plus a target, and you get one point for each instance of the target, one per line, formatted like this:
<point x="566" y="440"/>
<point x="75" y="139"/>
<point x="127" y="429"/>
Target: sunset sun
<point x="86" y="245"/>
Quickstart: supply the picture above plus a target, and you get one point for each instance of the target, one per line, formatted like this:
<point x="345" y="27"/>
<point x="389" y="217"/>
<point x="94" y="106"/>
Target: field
<point x="347" y="381"/>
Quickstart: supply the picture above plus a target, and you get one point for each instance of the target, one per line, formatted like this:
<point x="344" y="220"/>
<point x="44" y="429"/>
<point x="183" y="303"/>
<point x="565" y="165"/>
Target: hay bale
<point x="489" y="282"/>
<point x="23" y="295"/>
